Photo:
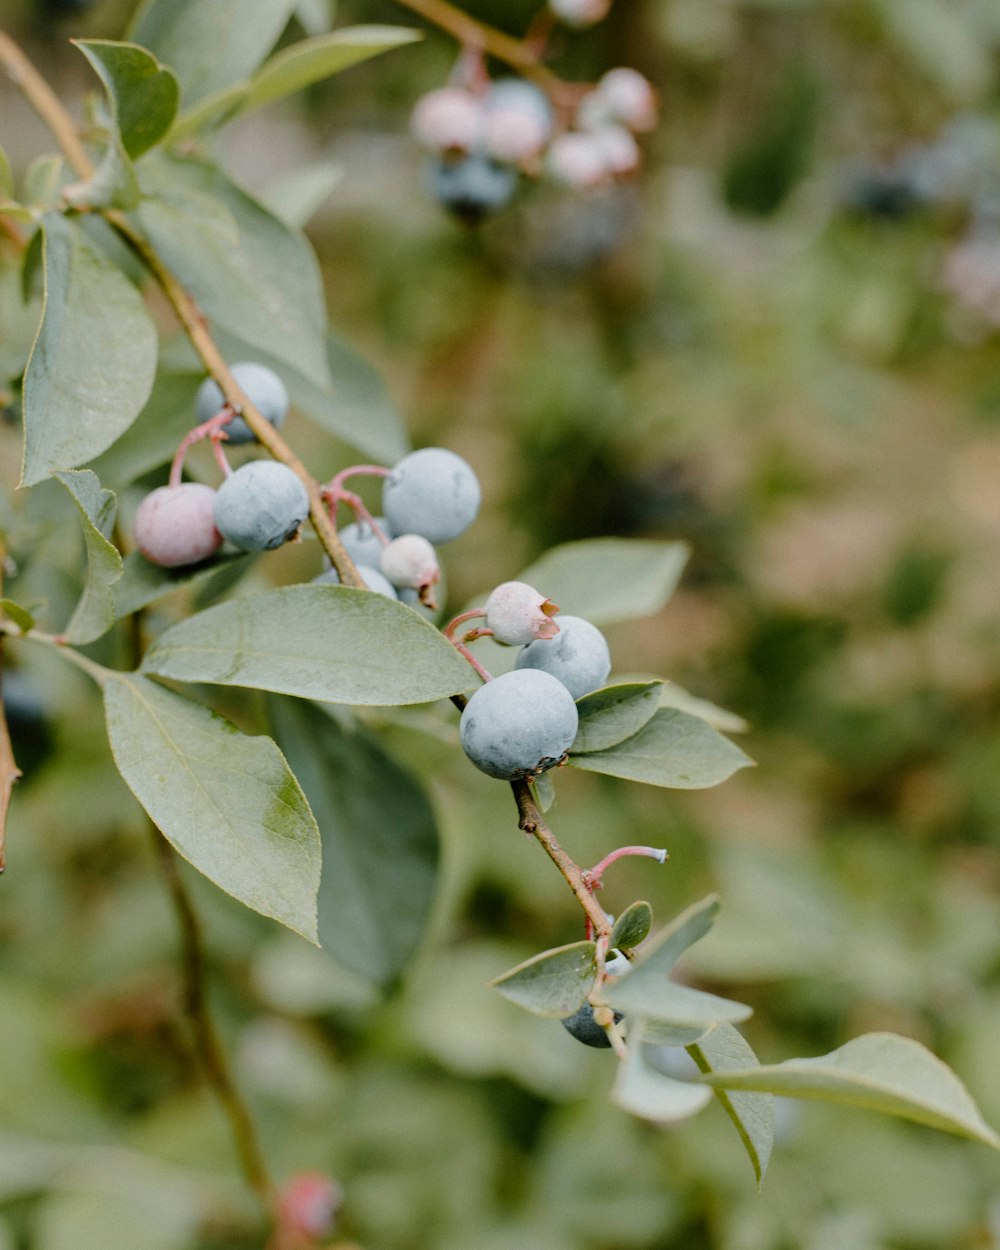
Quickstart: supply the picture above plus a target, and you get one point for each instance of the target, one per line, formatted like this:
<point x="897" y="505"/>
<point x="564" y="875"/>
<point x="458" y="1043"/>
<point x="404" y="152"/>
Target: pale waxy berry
<point x="410" y="562"/>
<point x="518" y="724"/>
<point x="578" y="160"/>
<point x="448" y="119"/>
<point x="578" y="656"/>
<point x="517" y="122"/>
<point x="517" y="613"/>
<point x="175" y="525"/>
<point x="260" y="506"/>
<point x="580" y="12"/>
<point x="264" y="389"/>
<point x="624" y="96"/>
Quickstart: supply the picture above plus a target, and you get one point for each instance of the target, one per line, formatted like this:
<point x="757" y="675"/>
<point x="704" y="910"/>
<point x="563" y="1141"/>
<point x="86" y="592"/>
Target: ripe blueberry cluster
<point x="483" y="134"/>
<point x="523" y="722"/>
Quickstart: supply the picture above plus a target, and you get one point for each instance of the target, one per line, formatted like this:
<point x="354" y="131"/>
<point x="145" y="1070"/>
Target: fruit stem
<point x="466" y="654"/>
<point x="473" y="615"/>
<point x="212" y="428"/>
<point x="593" y="875"/>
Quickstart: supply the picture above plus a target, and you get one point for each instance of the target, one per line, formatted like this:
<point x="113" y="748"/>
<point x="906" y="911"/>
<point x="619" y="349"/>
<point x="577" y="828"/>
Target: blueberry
<point x="518" y="724"/>
<point x="361" y="542"/>
<point x="578" y="656"/>
<point x="264" y="389"/>
<point x="431" y="492"/>
<point x="410" y="563"/>
<point x="472" y="187"/>
<point x="372" y="578"/>
<point x="260" y="506"/>
<point x="517" y="122"/>
<point x="175" y="525"/>
<point x="448" y="119"/>
<point x="585" y="1028"/>
<point x="516" y="612"/>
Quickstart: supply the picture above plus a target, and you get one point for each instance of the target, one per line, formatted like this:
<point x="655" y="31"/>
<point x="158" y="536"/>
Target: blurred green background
<point x="779" y="343"/>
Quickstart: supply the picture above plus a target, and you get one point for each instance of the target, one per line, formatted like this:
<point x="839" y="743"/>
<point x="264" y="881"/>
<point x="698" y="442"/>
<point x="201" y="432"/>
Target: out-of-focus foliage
<point x="780" y="344"/>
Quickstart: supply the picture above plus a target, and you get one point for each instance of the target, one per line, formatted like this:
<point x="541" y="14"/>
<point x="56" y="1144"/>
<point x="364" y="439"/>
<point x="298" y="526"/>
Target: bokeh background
<point x="779" y="343"/>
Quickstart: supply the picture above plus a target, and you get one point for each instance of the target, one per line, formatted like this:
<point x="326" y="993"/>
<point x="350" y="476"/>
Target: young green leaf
<point x="611" y="715"/>
<point x="21" y="617"/>
<point x="250" y="273"/>
<point x="672" y="695"/>
<point x="752" y="1114"/>
<point x="94" y="614"/>
<point x="380" y="839"/>
<point x="210" y="46"/>
<point x="94" y="356"/>
<point x="646" y="991"/>
<point x="143" y="93"/>
<point x="226" y="802"/>
<point x="609" y="579"/>
<point x="880" y="1071"/>
<point x="673" y="749"/>
<point x="312" y="60"/>
<point x="555" y="983"/>
<point x="642" y="1091"/>
<point x="632" y="926"/>
<point x="323" y="642"/>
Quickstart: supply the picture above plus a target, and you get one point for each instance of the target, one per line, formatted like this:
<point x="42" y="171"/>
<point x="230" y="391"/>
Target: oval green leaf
<point x="724" y="1047"/>
<point x="553" y="984"/>
<point x="143" y="93"/>
<point x="611" y="715"/>
<point x="332" y="643"/>
<point x="632" y="926"/>
<point x="673" y="749"/>
<point x="880" y="1071"/>
<point x="227" y="802"/>
<point x="642" y="1091"/>
<point x="94" y="357"/>
<point x="380" y="840"/>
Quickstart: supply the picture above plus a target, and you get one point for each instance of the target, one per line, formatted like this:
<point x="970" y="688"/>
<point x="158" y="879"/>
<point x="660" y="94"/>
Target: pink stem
<point x="355" y="470"/>
<point x="453" y="624"/>
<point x="464" y="651"/>
<point x="207" y="429"/>
<point x="219" y="452"/>
<point x="362" y="514"/>
<point x="593" y="877"/>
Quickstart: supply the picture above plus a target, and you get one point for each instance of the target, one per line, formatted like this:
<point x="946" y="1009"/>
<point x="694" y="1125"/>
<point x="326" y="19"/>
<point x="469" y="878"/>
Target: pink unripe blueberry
<point x="308" y="1204"/>
<point x="577" y="159"/>
<point x="626" y="96"/>
<point x="411" y="562"/>
<point x="580" y="12"/>
<point x="619" y="149"/>
<point x="448" y="120"/>
<point x="517" y="122"/>
<point x="175" y="525"/>
<point x="517" y="613"/>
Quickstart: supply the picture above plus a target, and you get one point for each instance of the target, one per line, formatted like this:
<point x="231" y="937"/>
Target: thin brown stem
<point x="518" y="53"/>
<point x="530" y="819"/>
<point x="209" y="1049"/>
<point x="46" y="104"/>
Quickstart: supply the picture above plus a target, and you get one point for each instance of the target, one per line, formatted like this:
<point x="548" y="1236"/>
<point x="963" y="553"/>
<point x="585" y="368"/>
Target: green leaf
<point x="312" y="60"/>
<point x="43" y="182"/>
<point x="724" y="1047"/>
<point x="19" y="320"/>
<point x="250" y="273"/>
<point x="672" y="695"/>
<point x="611" y="715"/>
<point x="544" y="791"/>
<point x="380" y="840"/>
<point x="632" y="926"/>
<point x="94" y="614"/>
<point x="21" y="617"/>
<point x="656" y="1033"/>
<point x="299" y="194"/>
<point x="143" y="582"/>
<point x="674" y="750"/>
<point x="646" y="992"/>
<point x="324" y="642"/>
<point x="642" y="1091"/>
<point x="92" y="364"/>
<point x="555" y="983"/>
<point x="226" y="802"/>
<point x="609" y="579"/>
<point x="153" y="437"/>
<point x="210" y="46"/>
<point x="879" y="1071"/>
<point x="142" y="92"/>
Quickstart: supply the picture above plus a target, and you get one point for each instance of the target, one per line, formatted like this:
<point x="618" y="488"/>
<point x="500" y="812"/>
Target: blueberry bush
<point x="217" y="542"/>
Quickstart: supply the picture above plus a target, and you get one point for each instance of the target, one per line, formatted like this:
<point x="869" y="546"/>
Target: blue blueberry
<point x="361" y="542"/>
<point x="260" y="506"/>
<point x="472" y="187"/>
<point x="372" y="578"/>
<point x="518" y="724"/>
<point x="578" y="656"/>
<point x="264" y="389"/>
<point x="582" y="1025"/>
<point x="433" y="493"/>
